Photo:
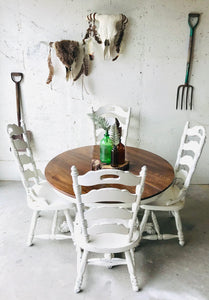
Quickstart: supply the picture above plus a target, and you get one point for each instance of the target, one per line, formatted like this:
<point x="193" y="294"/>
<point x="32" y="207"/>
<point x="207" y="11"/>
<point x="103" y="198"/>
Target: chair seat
<point x="48" y="199"/>
<point x="106" y="242"/>
<point x="161" y="201"/>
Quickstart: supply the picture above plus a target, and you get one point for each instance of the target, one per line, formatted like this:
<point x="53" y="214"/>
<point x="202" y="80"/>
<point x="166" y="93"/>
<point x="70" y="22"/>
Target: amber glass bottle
<point x="114" y="156"/>
<point x="121" y="153"/>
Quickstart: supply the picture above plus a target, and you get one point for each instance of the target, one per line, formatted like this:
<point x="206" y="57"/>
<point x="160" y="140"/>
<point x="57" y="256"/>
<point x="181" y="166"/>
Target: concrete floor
<point x="47" y="270"/>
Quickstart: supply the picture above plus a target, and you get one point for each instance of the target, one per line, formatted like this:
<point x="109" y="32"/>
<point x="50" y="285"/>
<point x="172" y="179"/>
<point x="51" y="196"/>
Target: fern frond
<point x="99" y="121"/>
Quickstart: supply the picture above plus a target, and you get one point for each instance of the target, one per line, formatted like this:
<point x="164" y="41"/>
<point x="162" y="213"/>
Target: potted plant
<point x="106" y="143"/>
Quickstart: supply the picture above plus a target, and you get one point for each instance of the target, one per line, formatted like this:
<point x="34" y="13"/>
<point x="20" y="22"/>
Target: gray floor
<point x="47" y="270"/>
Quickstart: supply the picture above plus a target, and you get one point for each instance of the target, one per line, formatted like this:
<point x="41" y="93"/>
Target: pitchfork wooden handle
<point x="191" y="17"/>
<point x="17" y="77"/>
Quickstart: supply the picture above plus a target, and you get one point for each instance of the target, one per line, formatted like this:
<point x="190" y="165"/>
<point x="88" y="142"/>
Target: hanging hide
<point x="109" y="32"/>
<point x="50" y="66"/>
<point x="84" y="68"/>
<point x="68" y="52"/>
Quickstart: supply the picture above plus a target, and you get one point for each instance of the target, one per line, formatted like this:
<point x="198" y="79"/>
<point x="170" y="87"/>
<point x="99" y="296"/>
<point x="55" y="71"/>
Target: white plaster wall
<point x="145" y="76"/>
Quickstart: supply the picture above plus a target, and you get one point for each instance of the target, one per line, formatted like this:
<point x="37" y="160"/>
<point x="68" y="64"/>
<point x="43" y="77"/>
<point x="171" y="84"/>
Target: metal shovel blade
<point x="184" y="92"/>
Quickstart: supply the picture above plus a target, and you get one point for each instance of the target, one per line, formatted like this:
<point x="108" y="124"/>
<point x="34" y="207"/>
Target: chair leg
<point x="143" y="222"/>
<point x="132" y="256"/>
<point x="156" y="226"/>
<point x="32" y="227"/>
<point x="108" y="257"/>
<point x="179" y="227"/>
<point x="170" y="214"/>
<point x="81" y="271"/>
<point x="131" y="270"/>
<point x="79" y="256"/>
<point x="54" y="224"/>
<point x="69" y="221"/>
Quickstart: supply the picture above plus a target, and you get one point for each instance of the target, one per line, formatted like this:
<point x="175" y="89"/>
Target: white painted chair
<point x="173" y="199"/>
<point x="110" y="112"/>
<point x="106" y="220"/>
<point x="40" y="195"/>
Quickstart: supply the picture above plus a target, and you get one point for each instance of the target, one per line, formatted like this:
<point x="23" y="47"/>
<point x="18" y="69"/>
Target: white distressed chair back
<point x="191" y="145"/>
<point x="40" y="195"/>
<point x="110" y="112"/>
<point x="97" y="212"/>
<point x="21" y="149"/>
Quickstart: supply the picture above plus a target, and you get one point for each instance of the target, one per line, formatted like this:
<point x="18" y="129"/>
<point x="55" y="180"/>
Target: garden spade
<point x="17" y="78"/>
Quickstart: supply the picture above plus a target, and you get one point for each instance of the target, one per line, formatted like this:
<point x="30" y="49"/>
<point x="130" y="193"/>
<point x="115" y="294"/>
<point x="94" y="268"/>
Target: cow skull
<point x="109" y="32"/>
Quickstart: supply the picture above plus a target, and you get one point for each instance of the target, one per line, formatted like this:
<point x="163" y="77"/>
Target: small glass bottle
<point x="121" y="153"/>
<point x="114" y="156"/>
<point x="105" y="149"/>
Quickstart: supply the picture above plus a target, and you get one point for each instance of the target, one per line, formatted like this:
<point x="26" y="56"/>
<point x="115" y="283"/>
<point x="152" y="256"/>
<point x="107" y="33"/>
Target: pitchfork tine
<point x="191" y="98"/>
<point x="182" y="96"/>
<point x="187" y="93"/>
<point x="177" y="97"/>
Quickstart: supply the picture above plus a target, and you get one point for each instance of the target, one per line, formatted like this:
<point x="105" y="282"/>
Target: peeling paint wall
<point x="145" y="76"/>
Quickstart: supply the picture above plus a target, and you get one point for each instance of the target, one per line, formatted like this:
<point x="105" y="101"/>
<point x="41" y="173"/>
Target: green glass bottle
<point x="105" y="149"/>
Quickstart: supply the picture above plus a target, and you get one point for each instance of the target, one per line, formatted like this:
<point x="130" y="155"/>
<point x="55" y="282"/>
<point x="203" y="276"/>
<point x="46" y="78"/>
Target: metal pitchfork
<point x="193" y="20"/>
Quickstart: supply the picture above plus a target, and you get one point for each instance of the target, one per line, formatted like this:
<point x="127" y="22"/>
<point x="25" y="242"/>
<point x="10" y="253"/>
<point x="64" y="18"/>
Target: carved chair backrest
<point x="110" y="112"/>
<point x="191" y="146"/>
<point x="107" y="209"/>
<point x="21" y="149"/>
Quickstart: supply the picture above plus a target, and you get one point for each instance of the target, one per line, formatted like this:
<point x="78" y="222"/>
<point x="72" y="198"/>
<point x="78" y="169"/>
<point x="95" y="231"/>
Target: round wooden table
<point x="160" y="173"/>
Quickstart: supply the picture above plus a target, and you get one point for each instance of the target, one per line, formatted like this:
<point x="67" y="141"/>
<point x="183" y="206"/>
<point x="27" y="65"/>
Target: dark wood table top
<point x="160" y="173"/>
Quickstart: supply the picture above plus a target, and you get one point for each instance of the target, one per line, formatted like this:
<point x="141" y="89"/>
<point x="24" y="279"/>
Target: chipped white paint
<point x="173" y="199"/>
<point x="40" y="195"/>
<point x="103" y="228"/>
<point x="144" y="77"/>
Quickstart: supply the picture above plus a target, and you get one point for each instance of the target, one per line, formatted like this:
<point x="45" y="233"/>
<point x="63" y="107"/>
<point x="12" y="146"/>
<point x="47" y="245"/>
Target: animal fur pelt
<point x="68" y="52"/>
<point x="84" y="68"/>
<point x="50" y="66"/>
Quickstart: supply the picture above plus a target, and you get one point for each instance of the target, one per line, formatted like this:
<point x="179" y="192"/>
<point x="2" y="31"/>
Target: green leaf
<point x="99" y="121"/>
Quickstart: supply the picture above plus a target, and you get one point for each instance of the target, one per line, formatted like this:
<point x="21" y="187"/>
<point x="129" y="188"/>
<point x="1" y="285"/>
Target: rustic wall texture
<point x="145" y="76"/>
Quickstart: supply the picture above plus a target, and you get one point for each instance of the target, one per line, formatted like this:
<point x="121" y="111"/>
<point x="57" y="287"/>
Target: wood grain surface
<point x="160" y="173"/>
